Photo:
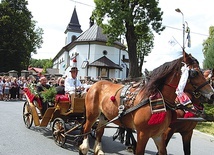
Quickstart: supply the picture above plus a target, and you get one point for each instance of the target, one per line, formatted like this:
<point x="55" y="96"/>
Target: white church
<point x="88" y="51"/>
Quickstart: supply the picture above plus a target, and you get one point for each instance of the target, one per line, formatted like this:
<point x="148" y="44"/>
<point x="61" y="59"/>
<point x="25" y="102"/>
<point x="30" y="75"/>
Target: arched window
<point x="73" y="38"/>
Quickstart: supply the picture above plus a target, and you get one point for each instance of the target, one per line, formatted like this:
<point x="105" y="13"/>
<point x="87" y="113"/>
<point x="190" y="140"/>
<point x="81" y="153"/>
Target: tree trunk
<point x="132" y="51"/>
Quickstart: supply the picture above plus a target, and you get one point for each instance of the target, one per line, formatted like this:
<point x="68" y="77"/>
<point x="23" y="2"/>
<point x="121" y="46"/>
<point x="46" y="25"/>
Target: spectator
<point x="14" y="88"/>
<point x="6" y="90"/>
<point x="1" y="88"/>
<point x="21" y="86"/>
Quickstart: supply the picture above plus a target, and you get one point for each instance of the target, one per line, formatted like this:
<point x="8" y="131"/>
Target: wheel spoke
<point x="58" y="130"/>
<point x="27" y="116"/>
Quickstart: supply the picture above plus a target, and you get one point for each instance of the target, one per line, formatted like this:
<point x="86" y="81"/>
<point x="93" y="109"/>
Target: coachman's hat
<point x="73" y="69"/>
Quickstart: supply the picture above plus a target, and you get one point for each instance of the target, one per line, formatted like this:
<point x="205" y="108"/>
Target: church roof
<point x="74" y="25"/>
<point x="94" y="33"/>
<point x="105" y="62"/>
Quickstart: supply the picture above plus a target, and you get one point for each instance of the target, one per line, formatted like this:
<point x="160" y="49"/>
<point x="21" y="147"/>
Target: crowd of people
<point x="12" y="88"/>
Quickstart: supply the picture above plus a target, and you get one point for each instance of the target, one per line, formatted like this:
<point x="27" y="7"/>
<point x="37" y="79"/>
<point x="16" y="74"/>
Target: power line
<point x="190" y="32"/>
<point x="163" y="25"/>
<point x="82" y="3"/>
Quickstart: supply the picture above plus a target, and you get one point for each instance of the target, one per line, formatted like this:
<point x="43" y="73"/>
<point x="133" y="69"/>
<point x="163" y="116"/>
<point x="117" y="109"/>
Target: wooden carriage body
<point x="62" y="108"/>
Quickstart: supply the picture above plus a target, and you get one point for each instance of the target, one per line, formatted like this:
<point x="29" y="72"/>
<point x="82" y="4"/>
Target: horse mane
<point x="158" y="75"/>
<point x="192" y="60"/>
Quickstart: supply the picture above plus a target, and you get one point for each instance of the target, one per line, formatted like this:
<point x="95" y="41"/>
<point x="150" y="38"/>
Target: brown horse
<point x="100" y="105"/>
<point x="185" y="128"/>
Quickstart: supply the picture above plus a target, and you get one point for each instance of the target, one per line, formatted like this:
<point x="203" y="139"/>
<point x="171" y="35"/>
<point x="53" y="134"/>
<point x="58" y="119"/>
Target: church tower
<point x="73" y="29"/>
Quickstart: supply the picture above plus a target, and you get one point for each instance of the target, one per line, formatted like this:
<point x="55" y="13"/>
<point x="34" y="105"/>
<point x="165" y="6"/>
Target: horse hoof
<point x="80" y="153"/>
<point x="100" y="152"/>
<point x="82" y="150"/>
<point x="129" y="149"/>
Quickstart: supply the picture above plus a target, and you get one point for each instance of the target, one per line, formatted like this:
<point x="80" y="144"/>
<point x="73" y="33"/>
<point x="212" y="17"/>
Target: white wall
<point x="96" y="52"/>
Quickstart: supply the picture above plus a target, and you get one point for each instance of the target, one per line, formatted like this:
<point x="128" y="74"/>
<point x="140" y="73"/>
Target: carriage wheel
<point x="58" y="130"/>
<point x="27" y="115"/>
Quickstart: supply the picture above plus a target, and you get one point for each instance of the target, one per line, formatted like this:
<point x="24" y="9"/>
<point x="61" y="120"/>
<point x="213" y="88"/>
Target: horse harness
<point x="127" y="97"/>
<point x="125" y="108"/>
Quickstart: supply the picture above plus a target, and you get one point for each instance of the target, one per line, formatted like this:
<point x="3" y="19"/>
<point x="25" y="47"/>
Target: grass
<point x="206" y="127"/>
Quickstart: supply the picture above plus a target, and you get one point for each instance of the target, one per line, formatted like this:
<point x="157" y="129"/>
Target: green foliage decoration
<point x="48" y="95"/>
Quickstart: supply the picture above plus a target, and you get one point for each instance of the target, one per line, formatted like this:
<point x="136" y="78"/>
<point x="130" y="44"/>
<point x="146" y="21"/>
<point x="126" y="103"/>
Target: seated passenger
<point x="41" y="86"/>
<point x="60" y="90"/>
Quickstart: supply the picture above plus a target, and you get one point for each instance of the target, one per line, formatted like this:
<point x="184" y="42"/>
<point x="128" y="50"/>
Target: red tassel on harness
<point x="157" y="118"/>
<point x="189" y="115"/>
<point x="112" y="98"/>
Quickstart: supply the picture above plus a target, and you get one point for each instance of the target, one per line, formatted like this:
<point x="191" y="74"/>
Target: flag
<point x="188" y="37"/>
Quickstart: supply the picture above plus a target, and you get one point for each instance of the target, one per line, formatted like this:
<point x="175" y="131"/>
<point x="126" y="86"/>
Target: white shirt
<point x="1" y="85"/>
<point x="7" y="85"/>
<point x="70" y="84"/>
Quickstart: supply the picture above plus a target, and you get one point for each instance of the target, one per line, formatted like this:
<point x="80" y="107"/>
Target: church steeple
<point x="73" y="29"/>
<point x="74" y="25"/>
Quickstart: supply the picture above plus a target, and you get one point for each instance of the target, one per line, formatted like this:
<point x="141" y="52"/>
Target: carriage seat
<point x="63" y="103"/>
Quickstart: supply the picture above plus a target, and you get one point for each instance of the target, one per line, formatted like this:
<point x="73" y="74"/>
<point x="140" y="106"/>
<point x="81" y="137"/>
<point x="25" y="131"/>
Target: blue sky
<point x="54" y="15"/>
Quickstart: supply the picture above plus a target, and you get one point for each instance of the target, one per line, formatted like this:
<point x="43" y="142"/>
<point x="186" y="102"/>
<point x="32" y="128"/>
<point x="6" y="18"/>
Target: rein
<point x="142" y="103"/>
<point x="199" y="87"/>
<point x="197" y="112"/>
<point x="172" y="86"/>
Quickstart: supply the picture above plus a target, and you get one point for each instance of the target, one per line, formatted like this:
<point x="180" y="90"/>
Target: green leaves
<point x="134" y="19"/>
<point x="19" y="37"/>
<point x="48" y="95"/>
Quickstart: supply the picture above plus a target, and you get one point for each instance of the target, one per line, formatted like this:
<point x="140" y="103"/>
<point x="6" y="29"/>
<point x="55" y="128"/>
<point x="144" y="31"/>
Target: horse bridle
<point x="192" y="74"/>
<point x="210" y="77"/>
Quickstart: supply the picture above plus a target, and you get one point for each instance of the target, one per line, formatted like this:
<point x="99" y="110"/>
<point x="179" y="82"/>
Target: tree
<point x="134" y="19"/>
<point x="19" y="35"/>
<point x="41" y="63"/>
<point x="208" y="41"/>
<point x="208" y="50"/>
<point x="209" y="57"/>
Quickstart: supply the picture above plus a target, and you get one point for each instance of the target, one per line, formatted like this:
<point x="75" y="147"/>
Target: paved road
<point x="18" y="140"/>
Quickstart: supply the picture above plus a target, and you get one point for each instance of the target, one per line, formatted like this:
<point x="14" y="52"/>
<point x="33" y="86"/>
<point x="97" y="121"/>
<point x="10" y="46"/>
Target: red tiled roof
<point x="37" y="70"/>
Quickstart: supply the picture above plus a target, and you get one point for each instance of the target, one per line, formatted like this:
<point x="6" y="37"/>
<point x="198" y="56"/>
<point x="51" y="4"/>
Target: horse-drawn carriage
<point x="62" y="113"/>
<point x="130" y="107"/>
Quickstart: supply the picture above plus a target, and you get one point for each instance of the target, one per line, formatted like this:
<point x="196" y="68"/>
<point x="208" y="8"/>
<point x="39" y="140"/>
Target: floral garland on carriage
<point x="48" y="95"/>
